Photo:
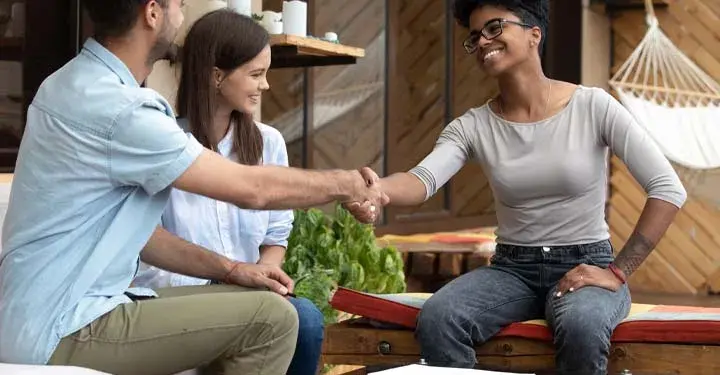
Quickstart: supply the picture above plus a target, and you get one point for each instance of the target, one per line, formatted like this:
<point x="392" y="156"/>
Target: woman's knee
<point x="436" y="313"/>
<point x="587" y="322"/>
<point x="311" y="320"/>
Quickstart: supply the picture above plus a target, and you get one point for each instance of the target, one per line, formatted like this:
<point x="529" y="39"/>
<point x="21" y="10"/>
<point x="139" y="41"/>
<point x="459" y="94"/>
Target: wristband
<point x="618" y="273"/>
<point x="226" y="280"/>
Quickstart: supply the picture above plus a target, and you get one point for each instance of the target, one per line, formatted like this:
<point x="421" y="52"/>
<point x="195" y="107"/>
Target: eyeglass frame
<point x="472" y="48"/>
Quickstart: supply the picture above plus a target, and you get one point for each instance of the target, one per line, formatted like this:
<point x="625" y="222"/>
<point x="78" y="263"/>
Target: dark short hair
<point x="115" y="18"/>
<point x="531" y="12"/>
<point x="227" y="40"/>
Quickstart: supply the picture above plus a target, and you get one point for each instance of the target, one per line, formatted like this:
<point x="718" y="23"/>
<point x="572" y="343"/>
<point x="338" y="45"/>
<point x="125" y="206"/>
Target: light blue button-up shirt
<point x="223" y="227"/>
<point x="91" y="182"/>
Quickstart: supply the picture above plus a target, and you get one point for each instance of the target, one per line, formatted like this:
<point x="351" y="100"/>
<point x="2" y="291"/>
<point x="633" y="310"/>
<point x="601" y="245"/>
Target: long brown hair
<point x="224" y="39"/>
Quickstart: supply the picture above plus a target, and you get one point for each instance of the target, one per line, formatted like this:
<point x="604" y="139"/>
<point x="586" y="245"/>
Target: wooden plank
<point x="316" y="46"/>
<point x="700" y="32"/>
<point x="438" y="223"/>
<point x="347" y="370"/>
<point x="360" y="345"/>
<point x="713" y="282"/>
<point x="423" y="264"/>
<point x="450" y="264"/>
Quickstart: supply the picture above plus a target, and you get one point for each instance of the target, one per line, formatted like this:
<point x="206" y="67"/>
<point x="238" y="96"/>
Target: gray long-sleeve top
<point x="549" y="178"/>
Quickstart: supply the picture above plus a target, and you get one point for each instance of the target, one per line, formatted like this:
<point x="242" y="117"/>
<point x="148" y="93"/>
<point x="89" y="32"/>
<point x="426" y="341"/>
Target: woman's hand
<point x="587" y="275"/>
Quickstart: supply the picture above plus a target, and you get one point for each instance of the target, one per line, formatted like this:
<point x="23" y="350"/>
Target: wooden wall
<point x="687" y="260"/>
<point x="347" y="123"/>
<point x="424" y="94"/>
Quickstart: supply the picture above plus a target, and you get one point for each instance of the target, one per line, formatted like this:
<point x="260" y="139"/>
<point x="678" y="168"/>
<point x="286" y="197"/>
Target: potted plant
<point x="327" y="251"/>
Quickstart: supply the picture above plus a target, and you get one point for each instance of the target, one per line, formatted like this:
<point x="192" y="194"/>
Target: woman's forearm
<point x="404" y="189"/>
<point x="272" y="254"/>
<point x="656" y="217"/>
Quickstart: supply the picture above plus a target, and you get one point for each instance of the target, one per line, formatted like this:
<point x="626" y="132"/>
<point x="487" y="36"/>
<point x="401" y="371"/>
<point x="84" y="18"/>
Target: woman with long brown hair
<point x="225" y="59"/>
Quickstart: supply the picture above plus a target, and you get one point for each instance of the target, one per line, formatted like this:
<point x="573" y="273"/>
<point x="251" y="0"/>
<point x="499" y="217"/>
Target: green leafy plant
<point x="327" y="251"/>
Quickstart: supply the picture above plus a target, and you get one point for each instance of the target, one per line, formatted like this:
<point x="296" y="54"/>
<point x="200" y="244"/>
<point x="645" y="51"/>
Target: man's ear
<point x="153" y="14"/>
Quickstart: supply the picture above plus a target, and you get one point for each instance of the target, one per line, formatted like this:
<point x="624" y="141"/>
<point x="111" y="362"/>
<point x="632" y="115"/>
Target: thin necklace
<point x="547" y="101"/>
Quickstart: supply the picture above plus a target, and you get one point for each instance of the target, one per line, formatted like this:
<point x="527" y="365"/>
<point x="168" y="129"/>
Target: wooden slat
<point x="423" y="264"/>
<point x="360" y="345"/>
<point x="451" y="264"/>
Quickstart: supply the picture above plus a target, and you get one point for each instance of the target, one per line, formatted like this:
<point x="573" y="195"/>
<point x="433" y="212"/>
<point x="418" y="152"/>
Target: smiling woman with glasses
<point x="491" y="30"/>
<point x="543" y="145"/>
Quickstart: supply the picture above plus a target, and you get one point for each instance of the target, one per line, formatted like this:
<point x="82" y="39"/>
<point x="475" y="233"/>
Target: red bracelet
<point x="226" y="280"/>
<point x="618" y="273"/>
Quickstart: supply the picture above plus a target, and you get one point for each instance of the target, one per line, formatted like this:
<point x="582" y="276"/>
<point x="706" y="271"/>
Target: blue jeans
<point x="310" y="337"/>
<point x="519" y="285"/>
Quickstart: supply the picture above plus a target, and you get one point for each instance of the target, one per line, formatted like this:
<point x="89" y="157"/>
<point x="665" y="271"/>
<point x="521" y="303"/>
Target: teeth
<point x="491" y="54"/>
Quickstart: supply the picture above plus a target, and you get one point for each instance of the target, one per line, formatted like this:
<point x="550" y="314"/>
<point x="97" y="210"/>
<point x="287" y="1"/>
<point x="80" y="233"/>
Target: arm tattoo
<point x="636" y="249"/>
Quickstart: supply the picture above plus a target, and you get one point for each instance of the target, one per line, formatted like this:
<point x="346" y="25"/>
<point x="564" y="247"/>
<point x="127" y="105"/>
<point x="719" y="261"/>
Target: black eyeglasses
<point x="491" y="30"/>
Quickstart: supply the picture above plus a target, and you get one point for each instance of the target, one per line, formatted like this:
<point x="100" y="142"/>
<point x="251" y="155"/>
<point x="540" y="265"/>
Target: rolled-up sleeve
<point x="451" y="151"/>
<point x="281" y="221"/>
<point x="148" y="149"/>
<point x="635" y="147"/>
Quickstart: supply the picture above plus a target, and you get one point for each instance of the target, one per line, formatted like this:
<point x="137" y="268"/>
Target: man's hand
<point x="261" y="276"/>
<point x="366" y="207"/>
<point x="586" y="275"/>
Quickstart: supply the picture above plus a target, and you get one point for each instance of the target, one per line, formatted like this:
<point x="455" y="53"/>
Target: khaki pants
<point x="220" y="329"/>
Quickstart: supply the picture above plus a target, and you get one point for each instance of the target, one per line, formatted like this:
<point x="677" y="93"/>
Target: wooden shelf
<point x="289" y="51"/>
<point x="11" y="49"/>
<point x="634" y="4"/>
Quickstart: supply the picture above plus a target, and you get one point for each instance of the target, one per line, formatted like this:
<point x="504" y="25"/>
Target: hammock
<point x="673" y="99"/>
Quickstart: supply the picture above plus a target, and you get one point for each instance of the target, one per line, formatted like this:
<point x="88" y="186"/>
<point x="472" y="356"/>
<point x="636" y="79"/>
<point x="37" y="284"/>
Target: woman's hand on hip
<point x="587" y="275"/>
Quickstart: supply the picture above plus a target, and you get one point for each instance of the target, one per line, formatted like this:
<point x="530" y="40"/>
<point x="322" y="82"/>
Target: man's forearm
<point x="656" y="217"/>
<point x="169" y="252"/>
<point x="269" y="187"/>
<point x="284" y="187"/>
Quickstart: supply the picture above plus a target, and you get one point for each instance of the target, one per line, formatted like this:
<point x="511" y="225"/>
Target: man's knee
<point x="280" y="314"/>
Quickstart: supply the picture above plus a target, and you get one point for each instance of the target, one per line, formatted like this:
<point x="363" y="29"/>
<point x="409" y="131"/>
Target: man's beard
<point x="164" y="48"/>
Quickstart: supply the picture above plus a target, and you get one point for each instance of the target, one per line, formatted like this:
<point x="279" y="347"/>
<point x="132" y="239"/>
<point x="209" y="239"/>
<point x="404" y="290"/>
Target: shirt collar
<point x="225" y="144"/>
<point x="111" y="61"/>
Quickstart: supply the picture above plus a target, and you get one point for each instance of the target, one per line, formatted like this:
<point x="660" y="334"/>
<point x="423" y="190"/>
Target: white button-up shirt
<point x="223" y="227"/>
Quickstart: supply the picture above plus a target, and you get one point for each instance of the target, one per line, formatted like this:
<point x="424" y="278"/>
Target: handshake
<point x="367" y="198"/>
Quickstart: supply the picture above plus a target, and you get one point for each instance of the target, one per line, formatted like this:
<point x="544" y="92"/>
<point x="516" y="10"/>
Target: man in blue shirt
<point x="95" y="167"/>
